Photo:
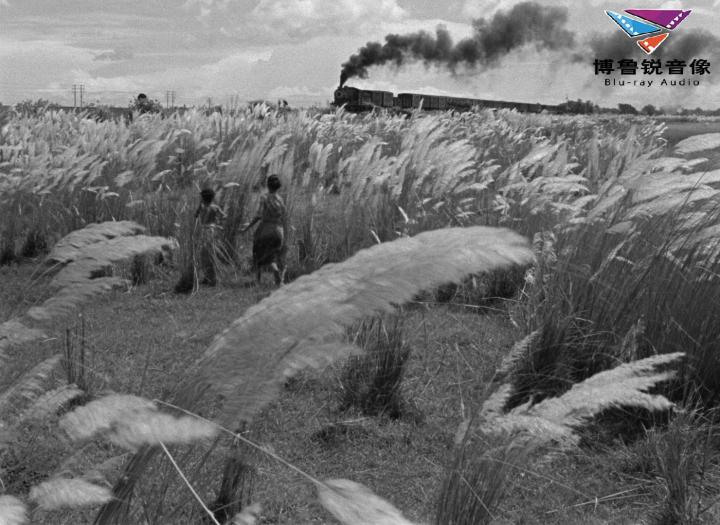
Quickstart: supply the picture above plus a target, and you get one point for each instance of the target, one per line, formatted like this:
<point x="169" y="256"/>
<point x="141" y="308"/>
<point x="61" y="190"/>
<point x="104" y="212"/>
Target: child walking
<point x="210" y="216"/>
<point x="269" y="239"/>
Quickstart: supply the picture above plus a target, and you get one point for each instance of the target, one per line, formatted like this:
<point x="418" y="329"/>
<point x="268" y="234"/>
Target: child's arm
<point x="252" y="223"/>
<point x="221" y="215"/>
<point x="258" y="215"/>
<point x="284" y="217"/>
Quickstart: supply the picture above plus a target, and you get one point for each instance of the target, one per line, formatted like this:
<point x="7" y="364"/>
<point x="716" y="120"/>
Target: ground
<point x="139" y="340"/>
<point x="678" y="130"/>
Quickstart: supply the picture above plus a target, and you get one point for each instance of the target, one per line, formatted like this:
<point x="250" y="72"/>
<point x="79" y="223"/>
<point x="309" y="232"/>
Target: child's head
<point x="207" y="195"/>
<point x="273" y="183"/>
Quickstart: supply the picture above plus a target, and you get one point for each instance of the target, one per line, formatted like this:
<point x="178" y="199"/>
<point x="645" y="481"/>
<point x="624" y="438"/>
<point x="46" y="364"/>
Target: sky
<point x="242" y="50"/>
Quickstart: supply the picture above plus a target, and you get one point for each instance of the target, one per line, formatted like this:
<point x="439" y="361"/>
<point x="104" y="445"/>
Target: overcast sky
<point x="293" y="49"/>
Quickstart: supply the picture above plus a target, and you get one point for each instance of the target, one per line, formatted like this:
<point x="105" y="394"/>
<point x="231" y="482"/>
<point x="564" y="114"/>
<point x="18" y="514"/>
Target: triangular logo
<point x="632" y="26"/>
<point x="667" y="18"/>
<point x="651" y="43"/>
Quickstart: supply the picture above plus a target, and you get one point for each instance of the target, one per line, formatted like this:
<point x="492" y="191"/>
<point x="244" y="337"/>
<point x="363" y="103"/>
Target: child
<point x="269" y="239"/>
<point x="210" y="216"/>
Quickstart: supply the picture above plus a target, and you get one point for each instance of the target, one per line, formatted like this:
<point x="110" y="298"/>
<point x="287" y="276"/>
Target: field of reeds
<point x="490" y="318"/>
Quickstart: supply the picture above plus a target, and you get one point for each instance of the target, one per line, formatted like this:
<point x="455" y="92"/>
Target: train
<point x="358" y="100"/>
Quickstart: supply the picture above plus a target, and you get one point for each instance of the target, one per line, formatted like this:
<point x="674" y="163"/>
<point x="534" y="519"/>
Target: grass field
<point x="677" y="131"/>
<point x="140" y="340"/>
<point x="624" y="270"/>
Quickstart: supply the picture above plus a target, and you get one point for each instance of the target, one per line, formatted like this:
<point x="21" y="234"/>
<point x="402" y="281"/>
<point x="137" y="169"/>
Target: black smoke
<point x="526" y="23"/>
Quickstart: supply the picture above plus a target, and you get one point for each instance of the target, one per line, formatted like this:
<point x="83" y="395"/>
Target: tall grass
<point x="626" y="262"/>
<point x="644" y="263"/>
<point x="681" y="456"/>
<point x="478" y="482"/>
<point x="350" y="179"/>
<point x="372" y="382"/>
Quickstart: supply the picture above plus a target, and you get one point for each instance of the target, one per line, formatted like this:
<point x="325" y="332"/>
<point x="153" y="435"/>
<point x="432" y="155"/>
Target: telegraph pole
<point x="74" y="90"/>
<point x="169" y="99"/>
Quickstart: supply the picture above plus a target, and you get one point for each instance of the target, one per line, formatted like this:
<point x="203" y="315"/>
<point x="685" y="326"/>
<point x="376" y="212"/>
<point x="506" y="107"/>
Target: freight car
<point x="355" y="99"/>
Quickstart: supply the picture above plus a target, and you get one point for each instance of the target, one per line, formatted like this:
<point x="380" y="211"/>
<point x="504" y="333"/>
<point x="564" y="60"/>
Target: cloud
<point x="481" y="9"/>
<point x="234" y="74"/>
<point x="588" y="14"/>
<point x="682" y="46"/>
<point x="39" y="68"/>
<point x="115" y="55"/>
<point x="301" y="95"/>
<point x="298" y="91"/>
<point x="457" y="30"/>
<point x="308" y="18"/>
<point x="205" y="8"/>
<point x="206" y="4"/>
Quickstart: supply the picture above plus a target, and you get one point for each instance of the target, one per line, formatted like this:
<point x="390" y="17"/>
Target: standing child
<point x="210" y="216"/>
<point x="269" y="239"/>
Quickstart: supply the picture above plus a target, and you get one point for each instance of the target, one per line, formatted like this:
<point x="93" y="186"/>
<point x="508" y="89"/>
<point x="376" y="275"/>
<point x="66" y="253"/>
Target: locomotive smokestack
<point x="525" y="23"/>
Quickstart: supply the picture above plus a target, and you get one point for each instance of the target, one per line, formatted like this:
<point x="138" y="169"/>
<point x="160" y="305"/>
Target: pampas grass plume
<point x="354" y="504"/>
<point x="12" y="511"/>
<point x="59" y="493"/>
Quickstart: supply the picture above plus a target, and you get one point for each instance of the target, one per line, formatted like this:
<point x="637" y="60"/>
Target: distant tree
<point x="35" y="107"/>
<point x="578" y="106"/>
<point x="5" y="115"/>
<point x="650" y="110"/>
<point x="627" y="109"/>
<point x="606" y="111"/>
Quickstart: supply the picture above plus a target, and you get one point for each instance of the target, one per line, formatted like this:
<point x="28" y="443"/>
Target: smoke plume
<point x="526" y="23"/>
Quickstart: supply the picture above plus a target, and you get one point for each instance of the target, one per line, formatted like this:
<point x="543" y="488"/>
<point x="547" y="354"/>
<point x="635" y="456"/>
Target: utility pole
<point x="169" y="99"/>
<point x="74" y="90"/>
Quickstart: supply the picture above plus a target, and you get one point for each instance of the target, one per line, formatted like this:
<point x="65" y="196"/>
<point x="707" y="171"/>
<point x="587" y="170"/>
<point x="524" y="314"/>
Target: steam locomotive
<point x="356" y="99"/>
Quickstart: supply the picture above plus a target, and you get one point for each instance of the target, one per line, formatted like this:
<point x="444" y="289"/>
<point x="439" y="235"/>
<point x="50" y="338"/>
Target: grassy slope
<point x="22" y="287"/>
<point x="679" y="130"/>
<point x="141" y="339"/>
